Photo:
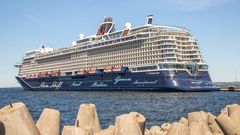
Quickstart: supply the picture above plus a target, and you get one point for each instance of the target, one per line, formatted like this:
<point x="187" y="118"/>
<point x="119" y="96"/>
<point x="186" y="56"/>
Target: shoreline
<point x="15" y="118"/>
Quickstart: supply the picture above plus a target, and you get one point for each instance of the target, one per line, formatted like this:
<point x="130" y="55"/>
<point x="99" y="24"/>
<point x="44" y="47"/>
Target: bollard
<point x="127" y="124"/>
<point x="184" y="121"/>
<point x="108" y="131"/>
<point x="228" y="125"/>
<point x="178" y="129"/>
<point x="49" y="122"/>
<point x="15" y="119"/>
<point x="140" y="120"/>
<point x="73" y="130"/>
<point x="213" y="124"/>
<point x="88" y="117"/>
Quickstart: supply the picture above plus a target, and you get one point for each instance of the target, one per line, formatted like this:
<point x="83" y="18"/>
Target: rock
<point x="184" y="121"/>
<point x="108" y="131"/>
<point x="49" y="122"/>
<point x="127" y="124"/>
<point x="73" y="130"/>
<point x="213" y="124"/>
<point x="15" y="119"/>
<point x="140" y="120"/>
<point x="88" y="117"/>
<point x="228" y="125"/>
<point x="178" y="129"/>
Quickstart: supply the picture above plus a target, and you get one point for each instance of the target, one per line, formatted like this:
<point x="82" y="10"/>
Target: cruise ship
<point x="145" y="58"/>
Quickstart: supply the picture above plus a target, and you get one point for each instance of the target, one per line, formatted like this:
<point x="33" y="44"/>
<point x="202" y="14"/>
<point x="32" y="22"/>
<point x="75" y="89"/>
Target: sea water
<point x="157" y="107"/>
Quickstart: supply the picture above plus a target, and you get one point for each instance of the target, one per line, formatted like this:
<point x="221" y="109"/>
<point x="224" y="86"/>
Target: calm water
<point x="156" y="107"/>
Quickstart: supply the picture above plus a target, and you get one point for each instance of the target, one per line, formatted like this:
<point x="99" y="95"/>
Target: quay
<point x="15" y="119"/>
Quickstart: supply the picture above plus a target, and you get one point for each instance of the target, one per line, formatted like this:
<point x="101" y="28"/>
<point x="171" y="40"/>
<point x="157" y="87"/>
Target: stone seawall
<point x="15" y="119"/>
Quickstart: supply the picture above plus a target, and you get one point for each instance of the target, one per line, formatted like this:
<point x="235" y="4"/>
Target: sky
<point x="26" y="24"/>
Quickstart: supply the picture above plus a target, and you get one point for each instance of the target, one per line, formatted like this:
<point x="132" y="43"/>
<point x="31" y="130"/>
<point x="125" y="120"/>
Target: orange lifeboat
<point x="55" y="73"/>
<point x="42" y="74"/>
<point x="92" y="70"/>
<point x="117" y="68"/>
<point x="107" y="69"/>
<point x="81" y="72"/>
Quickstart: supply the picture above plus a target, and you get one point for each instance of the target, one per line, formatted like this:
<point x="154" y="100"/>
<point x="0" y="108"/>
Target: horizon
<point x="26" y="25"/>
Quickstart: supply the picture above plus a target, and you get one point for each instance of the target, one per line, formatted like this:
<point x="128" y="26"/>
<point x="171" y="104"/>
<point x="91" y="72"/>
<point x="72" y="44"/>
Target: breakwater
<point x="15" y="119"/>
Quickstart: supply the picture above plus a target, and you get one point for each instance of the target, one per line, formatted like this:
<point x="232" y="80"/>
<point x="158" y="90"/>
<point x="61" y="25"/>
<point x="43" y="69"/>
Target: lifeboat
<point x="35" y="76"/>
<point x="107" y="69"/>
<point x="117" y="68"/>
<point x="55" y="73"/>
<point x="81" y="72"/>
<point x="42" y="74"/>
<point x="92" y="70"/>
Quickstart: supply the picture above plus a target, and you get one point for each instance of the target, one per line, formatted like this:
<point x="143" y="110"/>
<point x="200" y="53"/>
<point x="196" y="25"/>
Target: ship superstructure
<point x="168" y="55"/>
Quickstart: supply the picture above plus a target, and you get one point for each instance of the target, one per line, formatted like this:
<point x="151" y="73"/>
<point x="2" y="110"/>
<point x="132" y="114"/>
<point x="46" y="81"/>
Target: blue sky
<point x="25" y="24"/>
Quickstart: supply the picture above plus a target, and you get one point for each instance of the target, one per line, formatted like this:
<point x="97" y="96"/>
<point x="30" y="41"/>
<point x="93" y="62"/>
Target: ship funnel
<point x="149" y="19"/>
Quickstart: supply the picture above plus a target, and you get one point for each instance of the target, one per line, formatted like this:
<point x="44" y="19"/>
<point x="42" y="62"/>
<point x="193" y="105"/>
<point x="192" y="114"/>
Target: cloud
<point x="192" y="5"/>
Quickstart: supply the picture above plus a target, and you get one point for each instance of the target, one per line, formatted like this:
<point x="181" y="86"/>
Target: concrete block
<point x="127" y="124"/>
<point x="234" y="113"/>
<point x="165" y="126"/>
<point x="156" y="130"/>
<point x="196" y="128"/>
<point x="108" y="131"/>
<point x="178" y="129"/>
<point x="140" y="120"/>
<point x="147" y="132"/>
<point x="199" y="117"/>
<point x="228" y="125"/>
<point x="231" y="108"/>
<point x="184" y="121"/>
<point x="49" y="122"/>
<point x="15" y="119"/>
<point x="88" y="117"/>
<point x="73" y="130"/>
<point x="213" y="124"/>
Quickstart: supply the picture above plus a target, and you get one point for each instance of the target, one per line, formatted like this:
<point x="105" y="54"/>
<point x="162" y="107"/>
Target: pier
<point x="15" y="119"/>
